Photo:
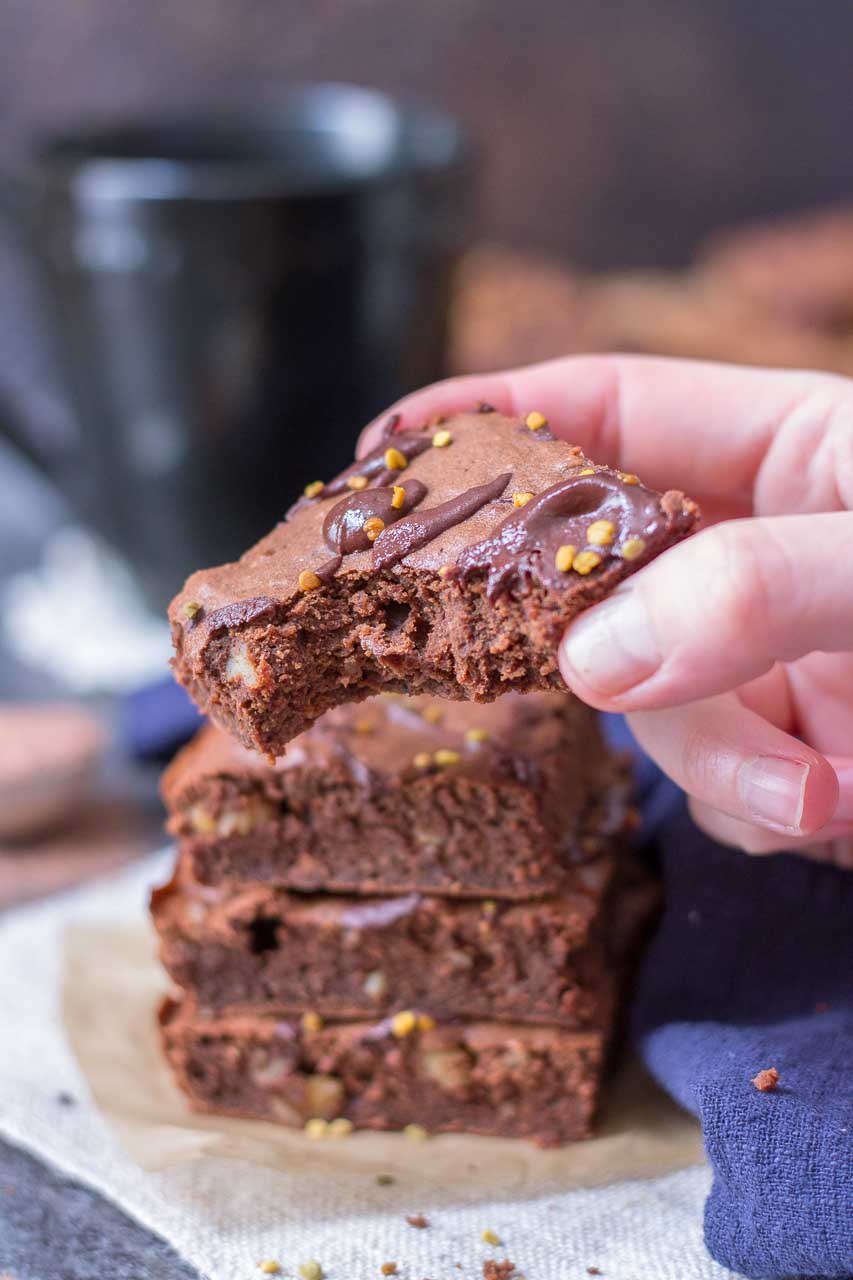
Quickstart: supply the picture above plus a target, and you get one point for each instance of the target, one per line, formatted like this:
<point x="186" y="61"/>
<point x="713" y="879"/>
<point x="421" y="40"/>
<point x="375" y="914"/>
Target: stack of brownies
<point x="412" y="910"/>
<point x="419" y="916"/>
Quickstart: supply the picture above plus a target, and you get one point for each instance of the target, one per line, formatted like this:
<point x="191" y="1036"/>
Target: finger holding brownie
<point x="732" y="654"/>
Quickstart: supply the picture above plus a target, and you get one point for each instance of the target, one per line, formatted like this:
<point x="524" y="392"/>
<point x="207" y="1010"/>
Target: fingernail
<point x="774" y="790"/>
<point x="611" y="648"/>
<point x="844" y="810"/>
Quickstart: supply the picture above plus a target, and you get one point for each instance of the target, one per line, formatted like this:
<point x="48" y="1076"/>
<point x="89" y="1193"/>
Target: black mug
<point x="233" y="298"/>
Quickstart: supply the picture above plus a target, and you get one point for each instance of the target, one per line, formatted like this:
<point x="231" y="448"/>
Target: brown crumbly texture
<point x="797" y="270"/>
<point x="505" y="1080"/>
<point x="767" y="1080"/>
<point x="495" y="1270"/>
<point x="550" y="960"/>
<point x="459" y="596"/>
<point x="512" y="308"/>
<point x="534" y="792"/>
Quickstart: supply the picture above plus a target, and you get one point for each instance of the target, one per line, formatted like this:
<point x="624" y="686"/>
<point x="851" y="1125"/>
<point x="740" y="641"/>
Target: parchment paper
<point x="112" y="984"/>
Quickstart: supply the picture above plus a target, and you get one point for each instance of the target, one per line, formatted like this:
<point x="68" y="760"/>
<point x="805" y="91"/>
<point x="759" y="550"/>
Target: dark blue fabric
<point x="156" y="720"/>
<point x="752" y="967"/>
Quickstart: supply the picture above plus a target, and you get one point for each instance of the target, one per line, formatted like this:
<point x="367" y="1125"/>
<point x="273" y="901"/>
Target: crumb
<point x="767" y="1080"/>
<point x="417" y="1220"/>
<point x="493" y="1270"/>
<point x="594" y="1271"/>
<point x="384" y="1180"/>
<point x="388" y="1268"/>
<point x="65" y="1099"/>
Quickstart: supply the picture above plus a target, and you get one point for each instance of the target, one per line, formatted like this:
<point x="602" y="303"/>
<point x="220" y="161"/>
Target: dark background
<point x="614" y="131"/>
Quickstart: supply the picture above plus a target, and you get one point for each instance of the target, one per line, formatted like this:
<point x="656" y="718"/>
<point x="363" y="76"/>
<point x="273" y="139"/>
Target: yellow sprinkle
<point x="476" y="735"/>
<point x="490" y="1237"/>
<point x="403" y="1023"/>
<point x="364" y="726"/>
<point x="340" y="1128"/>
<point x="587" y="471"/>
<point x="444" y="756"/>
<point x="313" y="489"/>
<point x="444" y="570"/>
<point x="312" y="1021"/>
<point x="601" y="533"/>
<point x="442" y="439"/>
<point x="422" y="760"/>
<point x="357" y="482"/>
<point x="316" y="1128"/>
<point x="425" y="1022"/>
<point x="192" y="608"/>
<point x="432" y="714"/>
<point x="398" y="496"/>
<point x="373" y="527"/>
<point x="564" y="558"/>
<point x="395" y="460"/>
<point x="536" y="421"/>
<point x="628" y="477"/>
<point x="308" y="580"/>
<point x="489" y="907"/>
<point x="270" y="1267"/>
<point x="585" y="562"/>
<point x="415" y="1133"/>
<point x="310" y="1270"/>
<point x="632" y="548"/>
<point x="521" y="499"/>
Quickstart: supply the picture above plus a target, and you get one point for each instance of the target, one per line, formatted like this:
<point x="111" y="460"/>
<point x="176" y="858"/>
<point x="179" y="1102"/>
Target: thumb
<point x="716" y="612"/>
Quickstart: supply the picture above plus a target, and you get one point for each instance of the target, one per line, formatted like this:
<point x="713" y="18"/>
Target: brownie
<point x="358" y="804"/>
<point x="513" y="307"/>
<point x="446" y="561"/>
<point x="266" y="950"/>
<point x="797" y="269"/>
<point x="463" y="1077"/>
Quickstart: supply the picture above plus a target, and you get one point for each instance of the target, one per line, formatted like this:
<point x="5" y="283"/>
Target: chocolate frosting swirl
<point x="373" y="466"/>
<point x="417" y="530"/>
<point x="523" y="547"/>
<point x="343" y="528"/>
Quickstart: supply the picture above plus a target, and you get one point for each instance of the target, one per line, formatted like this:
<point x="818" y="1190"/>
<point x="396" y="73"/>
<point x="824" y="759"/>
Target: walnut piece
<point x="323" y="1096"/>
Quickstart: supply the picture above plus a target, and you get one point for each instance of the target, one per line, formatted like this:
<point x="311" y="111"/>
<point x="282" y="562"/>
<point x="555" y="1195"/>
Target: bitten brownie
<point x="463" y="1077"/>
<point x="401" y="796"/>
<point x="556" y="959"/>
<point x="446" y="561"/>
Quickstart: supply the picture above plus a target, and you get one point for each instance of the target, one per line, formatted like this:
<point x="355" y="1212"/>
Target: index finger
<point x="699" y="426"/>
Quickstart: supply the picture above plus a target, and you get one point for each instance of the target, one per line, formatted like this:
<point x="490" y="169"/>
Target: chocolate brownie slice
<point x="550" y="960"/>
<point x="405" y="795"/>
<point x="463" y="1077"/>
<point x="446" y="561"/>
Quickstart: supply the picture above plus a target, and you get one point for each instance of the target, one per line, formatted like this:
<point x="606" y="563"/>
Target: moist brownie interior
<point x="446" y="561"/>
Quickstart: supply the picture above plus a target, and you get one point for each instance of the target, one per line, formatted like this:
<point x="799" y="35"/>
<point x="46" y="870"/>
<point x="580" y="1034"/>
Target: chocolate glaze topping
<point x="523" y="547"/>
<point x="343" y="528"/>
<point x="373" y="465"/>
<point x="417" y="530"/>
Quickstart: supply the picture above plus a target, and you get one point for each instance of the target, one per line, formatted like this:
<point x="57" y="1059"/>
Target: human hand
<point x="732" y="654"/>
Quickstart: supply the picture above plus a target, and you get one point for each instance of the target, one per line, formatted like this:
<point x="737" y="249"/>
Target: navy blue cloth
<point x="156" y="720"/>
<point x="752" y="967"/>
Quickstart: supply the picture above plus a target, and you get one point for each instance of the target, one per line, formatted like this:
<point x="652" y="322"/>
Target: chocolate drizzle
<point x="523" y="547"/>
<point x="423" y="526"/>
<point x="343" y="528"/>
<point x="373" y="465"/>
